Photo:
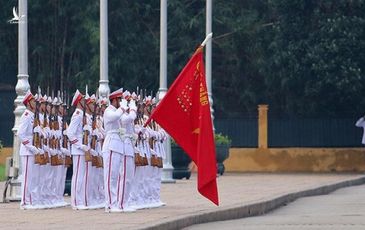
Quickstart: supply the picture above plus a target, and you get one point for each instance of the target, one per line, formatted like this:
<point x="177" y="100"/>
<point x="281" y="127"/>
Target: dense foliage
<point x="302" y="57"/>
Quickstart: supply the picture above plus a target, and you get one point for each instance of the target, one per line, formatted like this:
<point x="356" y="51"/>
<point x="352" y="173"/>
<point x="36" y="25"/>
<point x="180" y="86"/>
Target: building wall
<point x="4" y="153"/>
<point x="296" y="160"/>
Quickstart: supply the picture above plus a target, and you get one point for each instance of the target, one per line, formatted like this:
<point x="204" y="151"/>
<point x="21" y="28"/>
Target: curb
<point x="254" y="209"/>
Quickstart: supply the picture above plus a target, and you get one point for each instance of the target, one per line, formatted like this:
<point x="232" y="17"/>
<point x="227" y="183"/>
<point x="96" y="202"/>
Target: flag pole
<point x="167" y="171"/>
<point x="207" y="38"/>
<point x="208" y="55"/>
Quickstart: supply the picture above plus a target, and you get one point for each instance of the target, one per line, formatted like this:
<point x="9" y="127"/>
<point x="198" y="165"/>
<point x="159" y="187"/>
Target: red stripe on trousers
<point x="25" y="181"/>
<point x="124" y="172"/>
<point x="118" y="188"/>
<point x="110" y="163"/>
<point x="77" y="173"/>
<point x="87" y="174"/>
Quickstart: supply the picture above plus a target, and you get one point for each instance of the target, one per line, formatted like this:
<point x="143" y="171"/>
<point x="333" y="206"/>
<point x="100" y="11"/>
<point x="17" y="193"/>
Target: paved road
<point x="343" y="209"/>
<point x="184" y="203"/>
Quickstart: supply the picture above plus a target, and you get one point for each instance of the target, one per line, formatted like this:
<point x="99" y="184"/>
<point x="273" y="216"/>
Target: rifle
<point x="56" y="127"/>
<point x="68" y="159"/>
<point x="52" y="126"/>
<point x="85" y="134"/>
<point x="140" y="157"/>
<point x="94" y="138"/>
<point x="36" y="136"/>
<point x="64" y="126"/>
<point x="45" y="140"/>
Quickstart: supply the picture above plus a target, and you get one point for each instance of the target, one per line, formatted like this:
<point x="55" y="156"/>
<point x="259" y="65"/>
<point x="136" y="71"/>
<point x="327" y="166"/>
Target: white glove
<point x="95" y="132"/>
<point x="65" y="151"/>
<point x="59" y="133"/>
<point x="93" y="152"/>
<point x="132" y="105"/>
<point x="37" y="129"/>
<point x="64" y="132"/>
<point x="53" y="152"/>
<point x="101" y="135"/>
<point x="32" y="149"/>
<point x="87" y="128"/>
<point x="123" y="104"/>
<point x="126" y="94"/>
<point x="52" y="133"/>
<point x="46" y="131"/>
<point x="41" y="151"/>
<point x="143" y="130"/>
<point x="46" y="148"/>
<point x="85" y="148"/>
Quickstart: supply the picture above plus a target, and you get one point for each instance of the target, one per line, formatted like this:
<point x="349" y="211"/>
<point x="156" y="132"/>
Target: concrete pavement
<point x="343" y="209"/>
<point x="241" y="195"/>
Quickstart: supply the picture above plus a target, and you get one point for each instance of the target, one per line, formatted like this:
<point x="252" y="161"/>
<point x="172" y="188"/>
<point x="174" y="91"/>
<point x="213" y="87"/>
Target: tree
<point x="315" y="63"/>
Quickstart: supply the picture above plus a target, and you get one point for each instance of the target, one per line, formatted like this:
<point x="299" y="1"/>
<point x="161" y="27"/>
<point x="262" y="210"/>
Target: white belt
<point x="113" y="131"/>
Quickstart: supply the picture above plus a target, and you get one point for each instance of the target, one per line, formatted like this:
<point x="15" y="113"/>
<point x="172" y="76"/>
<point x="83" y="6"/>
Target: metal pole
<point x="167" y="164"/>
<point x="21" y="88"/>
<point x="208" y="54"/>
<point x="104" y="82"/>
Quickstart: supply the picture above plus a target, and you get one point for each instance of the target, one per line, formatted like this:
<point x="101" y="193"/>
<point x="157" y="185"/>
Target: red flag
<point x="184" y="113"/>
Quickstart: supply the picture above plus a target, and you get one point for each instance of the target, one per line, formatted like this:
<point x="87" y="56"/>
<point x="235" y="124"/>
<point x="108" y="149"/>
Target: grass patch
<point x="2" y="172"/>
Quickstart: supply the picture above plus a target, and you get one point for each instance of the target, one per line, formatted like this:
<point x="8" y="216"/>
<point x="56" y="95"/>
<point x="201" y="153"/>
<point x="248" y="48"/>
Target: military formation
<point x="116" y="162"/>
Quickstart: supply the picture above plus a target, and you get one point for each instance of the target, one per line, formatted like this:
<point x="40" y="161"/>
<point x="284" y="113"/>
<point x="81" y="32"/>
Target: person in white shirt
<point x="361" y="124"/>
<point x="29" y="187"/>
<point x="74" y="134"/>
<point x="116" y="161"/>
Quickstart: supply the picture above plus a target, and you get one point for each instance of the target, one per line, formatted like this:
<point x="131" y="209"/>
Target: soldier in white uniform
<point x="129" y="138"/>
<point x="138" y="186"/>
<point x="61" y="169"/>
<point x="27" y="152"/>
<point x="74" y="134"/>
<point x="92" y="177"/>
<point x="42" y="167"/>
<point x="65" y="151"/>
<point x="115" y="162"/>
<point x="48" y="178"/>
<point x="99" y="132"/>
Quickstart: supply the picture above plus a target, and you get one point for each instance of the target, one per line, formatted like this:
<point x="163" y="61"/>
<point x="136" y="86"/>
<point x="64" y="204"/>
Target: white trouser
<point x="118" y="175"/>
<point x="43" y="172"/>
<point x="61" y="177"/>
<point x="137" y="191"/>
<point x="148" y="199"/>
<point x="48" y="184"/>
<point x="28" y="185"/>
<point x="96" y="187"/>
<point x="78" y="182"/>
<point x="100" y="186"/>
<point x="157" y="184"/>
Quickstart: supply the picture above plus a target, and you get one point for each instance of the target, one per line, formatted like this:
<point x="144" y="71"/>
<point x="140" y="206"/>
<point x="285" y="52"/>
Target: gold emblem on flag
<point x="184" y="98"/>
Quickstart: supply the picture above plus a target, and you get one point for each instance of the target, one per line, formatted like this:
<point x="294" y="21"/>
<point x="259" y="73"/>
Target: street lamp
<point x="21" y="88"/>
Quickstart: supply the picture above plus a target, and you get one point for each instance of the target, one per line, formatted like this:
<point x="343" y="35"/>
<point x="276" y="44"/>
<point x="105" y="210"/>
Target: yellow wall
<point x="284" y="159"/>
<point x="296" y="160"/>
<point x="4" y="153"/>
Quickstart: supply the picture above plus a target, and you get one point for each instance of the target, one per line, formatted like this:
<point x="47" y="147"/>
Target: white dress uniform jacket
<point x="25" y="134"/>
<point x="74" y="132"/>
<point x="112" y="126"/>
